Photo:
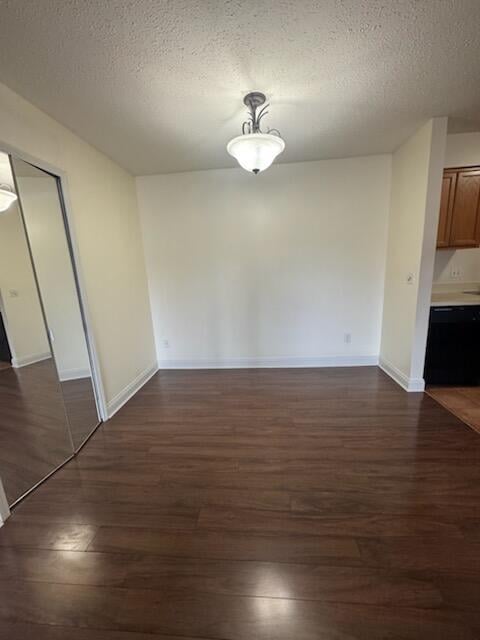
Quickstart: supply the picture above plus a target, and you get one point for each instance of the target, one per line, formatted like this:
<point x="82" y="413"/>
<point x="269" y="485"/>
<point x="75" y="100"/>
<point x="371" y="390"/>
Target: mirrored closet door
<point x="43" y="215"/>
<point x="47" y="399"/>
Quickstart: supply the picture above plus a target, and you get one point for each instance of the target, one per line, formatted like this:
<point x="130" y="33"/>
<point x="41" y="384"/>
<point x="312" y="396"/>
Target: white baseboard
<point x="30" y="359"/>
<point x="130" y="390"/>
<point x="259" y="363"/>
<point x="409" y="384"/>
<point x="74" y="374"/>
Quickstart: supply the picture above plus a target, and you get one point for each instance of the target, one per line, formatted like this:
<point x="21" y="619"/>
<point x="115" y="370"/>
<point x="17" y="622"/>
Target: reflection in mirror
<point x="40" y="203"/>
<point x="34" y="437"/>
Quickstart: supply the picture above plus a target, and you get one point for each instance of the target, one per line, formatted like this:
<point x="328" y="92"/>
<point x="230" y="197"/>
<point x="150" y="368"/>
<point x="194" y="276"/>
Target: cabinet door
<point x="446" y="207"/>
<point x="464" y="229"/>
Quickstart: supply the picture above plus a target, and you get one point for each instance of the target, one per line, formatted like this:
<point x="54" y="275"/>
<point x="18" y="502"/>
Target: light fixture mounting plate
<point x="254" y="99"/>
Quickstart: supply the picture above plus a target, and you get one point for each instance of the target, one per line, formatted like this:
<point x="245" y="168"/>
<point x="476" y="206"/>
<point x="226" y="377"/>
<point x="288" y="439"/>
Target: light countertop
<point x="452" y="294"/>
<point x="455" y="299"/>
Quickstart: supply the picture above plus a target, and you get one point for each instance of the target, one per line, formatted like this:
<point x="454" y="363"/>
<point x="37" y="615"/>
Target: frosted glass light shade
<point x="6" y="198"/>
<point x="255" y="151"/>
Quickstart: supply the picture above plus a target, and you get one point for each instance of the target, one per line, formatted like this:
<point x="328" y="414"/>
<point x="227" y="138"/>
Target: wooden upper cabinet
<point x="446" y="207"/>
<point x="459" y="223"/>
<point x="464" y="232"/>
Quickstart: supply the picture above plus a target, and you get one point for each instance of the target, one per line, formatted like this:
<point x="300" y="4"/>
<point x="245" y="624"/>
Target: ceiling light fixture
<point x="255" y="151"/>
<point x="7" y="197"/>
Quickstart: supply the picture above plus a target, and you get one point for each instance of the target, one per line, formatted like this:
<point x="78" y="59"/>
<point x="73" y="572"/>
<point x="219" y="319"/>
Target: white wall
<point x="417" y="168"/>
<point x="463" y="150"/>
<point x="22" y="312"/>
<point x="104" y="210"/>
<point x="268" y="269"/>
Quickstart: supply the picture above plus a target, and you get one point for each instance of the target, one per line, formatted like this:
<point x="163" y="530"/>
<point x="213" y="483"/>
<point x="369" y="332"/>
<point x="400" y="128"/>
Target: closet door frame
<point x="63" y="195"/>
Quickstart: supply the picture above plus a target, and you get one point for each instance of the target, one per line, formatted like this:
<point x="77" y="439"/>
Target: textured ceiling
<point x="157" y="84"/>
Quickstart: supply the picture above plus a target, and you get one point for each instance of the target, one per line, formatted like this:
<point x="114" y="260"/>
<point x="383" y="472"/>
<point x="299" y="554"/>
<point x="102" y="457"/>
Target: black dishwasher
<point x="453" y="352"/>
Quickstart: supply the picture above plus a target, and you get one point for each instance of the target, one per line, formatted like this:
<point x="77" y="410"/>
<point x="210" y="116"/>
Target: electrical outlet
<point x="347" y="338"/>
<point x="166" y="344"/>
<point x="410" y="278"/>
<point x="455" y="273"/>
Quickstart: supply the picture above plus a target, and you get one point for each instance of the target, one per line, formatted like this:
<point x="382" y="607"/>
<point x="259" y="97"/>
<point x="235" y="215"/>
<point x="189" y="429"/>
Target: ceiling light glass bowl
<point x="255" y="151"/>
<point x="7" y="197"/>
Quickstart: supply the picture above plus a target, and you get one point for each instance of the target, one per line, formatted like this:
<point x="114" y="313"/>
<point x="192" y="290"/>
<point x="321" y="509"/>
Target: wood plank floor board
<point x="283" y="580"/>
<point x="153" y="467"/>
<point x="47" y="535"/>
<point x="132" y="475"/>
<point x="358" y="526"/>
<point x="228" y="545"/>
<point x="119" y="514"/>
<point x="340" y="454"/>
<point x="64" y="567"/>
<point x="425" y="554"/>
<point x="159" y="495"/>
<point x="384" y="480"/>
<point x="266" y="504"/>
<point x="450" y="507"/>
<point x="360" y="467"/>
<point x="10" y="631"/>
<point x="420" y="487"/>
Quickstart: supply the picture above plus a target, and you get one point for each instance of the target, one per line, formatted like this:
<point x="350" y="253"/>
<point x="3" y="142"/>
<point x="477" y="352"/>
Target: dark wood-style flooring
<point x="255" y="505"/>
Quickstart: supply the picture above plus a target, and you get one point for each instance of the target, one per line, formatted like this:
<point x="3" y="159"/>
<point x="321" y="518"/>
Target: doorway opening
<point x="452" y="359"/>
